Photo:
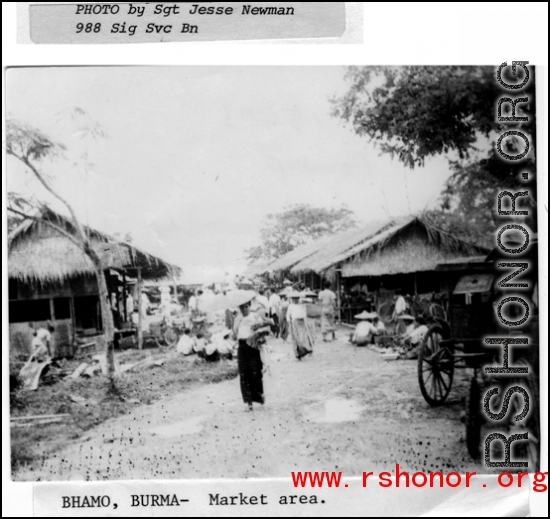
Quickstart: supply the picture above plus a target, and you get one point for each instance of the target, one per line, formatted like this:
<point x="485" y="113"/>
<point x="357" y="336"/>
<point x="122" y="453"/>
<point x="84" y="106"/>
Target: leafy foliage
<point x="297" y="225"/>
<point x="19" y="203"/>
<point x="416" y="112"/>
<point x="28" y="143"/>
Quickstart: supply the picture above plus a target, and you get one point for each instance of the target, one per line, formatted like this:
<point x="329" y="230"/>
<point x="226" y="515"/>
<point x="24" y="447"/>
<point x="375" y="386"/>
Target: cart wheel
<point x="159" y="339"/>
<point x="473" y="419"/>
<point x="529" y="450"/>
<point x="400" y="327"/>
<point x="171" y="337"/>
<point x="438" y="312"/>
<point x="386" y="312"/>
<point x="435" y="367"/>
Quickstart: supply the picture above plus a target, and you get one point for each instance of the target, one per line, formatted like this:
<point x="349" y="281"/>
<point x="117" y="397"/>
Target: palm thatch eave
<point x="361" y="244"/>
<point x="39" y="253"/>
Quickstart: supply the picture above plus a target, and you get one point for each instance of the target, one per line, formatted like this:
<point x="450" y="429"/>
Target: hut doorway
<point x="87" y="313"/>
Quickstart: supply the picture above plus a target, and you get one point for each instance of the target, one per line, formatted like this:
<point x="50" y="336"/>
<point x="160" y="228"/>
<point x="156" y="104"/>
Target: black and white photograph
<point x="256" y="271"/>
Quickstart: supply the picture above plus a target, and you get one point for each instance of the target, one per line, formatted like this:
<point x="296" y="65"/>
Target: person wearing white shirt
<point x="129" y="304"/>
<point x="365" y="330"/>
<point x="195" y="302"/>
<point x="328" y="301"/>
<point x="264" y="301"/>
<point x="186" y="344"/>
<point x="274" y="303"/>
<point x="296" y="317"/>
<point x="414" y="337"/>
<point x="400" y="305"/>
<point x="379" y="325"/>
<point x="42" y="342"/>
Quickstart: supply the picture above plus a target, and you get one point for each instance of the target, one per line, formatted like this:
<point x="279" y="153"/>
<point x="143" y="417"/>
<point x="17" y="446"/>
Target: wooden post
<point x="53" y="345"/>
<point x="73" y="317"/>
<point x="124" y="297"/>
<point x="52" y="310"/>
<point x="140" y="314"/>
<point x="338" y="297"/>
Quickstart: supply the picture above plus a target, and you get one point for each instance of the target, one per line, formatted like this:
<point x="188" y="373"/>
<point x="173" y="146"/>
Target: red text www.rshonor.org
<point x="402" y="478"/>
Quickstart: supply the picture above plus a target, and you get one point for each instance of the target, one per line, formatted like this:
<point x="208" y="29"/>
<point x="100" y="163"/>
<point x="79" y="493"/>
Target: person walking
<point x="274" y="312"/>
<point x="283" y="310"/>
<point x="327" y="300"/>
<point x="296" y="316"/>
<point x="249" y="359"/>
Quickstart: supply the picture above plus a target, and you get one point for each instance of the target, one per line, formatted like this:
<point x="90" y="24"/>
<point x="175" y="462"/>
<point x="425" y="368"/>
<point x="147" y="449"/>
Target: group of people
<point x="371" y="326"/>
<point x="212" y="348"/>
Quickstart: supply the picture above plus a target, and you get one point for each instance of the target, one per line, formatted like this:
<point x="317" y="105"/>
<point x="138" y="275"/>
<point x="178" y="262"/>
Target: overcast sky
<point x="198" y="156"/>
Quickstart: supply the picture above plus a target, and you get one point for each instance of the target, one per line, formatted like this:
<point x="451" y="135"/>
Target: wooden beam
<point x="39" y="417"/>
<point x="52" y="310"/>
<point x="140" y="313"/>
<point x="124" y="297"/>
<point x="338" y="296"/>
<point x="53" y="345"/>
<point x="73" y="317"/>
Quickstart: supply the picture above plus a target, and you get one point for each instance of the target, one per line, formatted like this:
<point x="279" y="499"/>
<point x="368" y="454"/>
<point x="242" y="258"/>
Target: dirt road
<point x="341" y="409"/>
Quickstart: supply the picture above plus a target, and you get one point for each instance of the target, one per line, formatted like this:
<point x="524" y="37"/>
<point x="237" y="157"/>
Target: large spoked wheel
<point x="435" y="367"/>
<point x="438" y="312"/>
<point x="159" y="339"/>
<point x="171" y="337"/>
<point x="528" y="450"/>
<point x="386" y="312"/>
<point x="473" y="419"/>
<point x="400" y="327"/>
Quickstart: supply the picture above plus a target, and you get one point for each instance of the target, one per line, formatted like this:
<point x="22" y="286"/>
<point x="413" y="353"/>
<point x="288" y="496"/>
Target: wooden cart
<point x="459" y="343"/>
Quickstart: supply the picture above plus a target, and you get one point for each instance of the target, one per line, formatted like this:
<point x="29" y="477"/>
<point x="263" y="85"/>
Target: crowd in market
<point x="230" y="322"/>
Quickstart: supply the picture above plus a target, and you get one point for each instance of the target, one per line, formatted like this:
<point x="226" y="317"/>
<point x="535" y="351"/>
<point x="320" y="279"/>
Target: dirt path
<point x="341" y="409"/>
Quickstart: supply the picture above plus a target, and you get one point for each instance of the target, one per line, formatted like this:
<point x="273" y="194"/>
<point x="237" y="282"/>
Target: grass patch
<point x="90" y="402"/>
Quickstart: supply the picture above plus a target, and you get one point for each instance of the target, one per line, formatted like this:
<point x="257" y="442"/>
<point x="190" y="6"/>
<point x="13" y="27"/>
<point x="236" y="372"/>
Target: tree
<point x="22" y="204"/>
<point x="31" y="147"/>
<point x="416" y="112"/>
<point x="296" y="225"/>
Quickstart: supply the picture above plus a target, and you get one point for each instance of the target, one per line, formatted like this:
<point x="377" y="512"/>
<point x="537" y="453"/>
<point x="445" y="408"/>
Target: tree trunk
<point x="140" y="314"/>
<point x="106" y="314"/>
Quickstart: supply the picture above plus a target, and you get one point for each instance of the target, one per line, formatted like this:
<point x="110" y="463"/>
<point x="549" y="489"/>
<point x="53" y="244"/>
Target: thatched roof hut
<point x="406" y="247"/>
<point x="390" y="247"/>
<point x="287" y="261"/>
<point x="258" y="269"/>
<point x="39" y="253"/>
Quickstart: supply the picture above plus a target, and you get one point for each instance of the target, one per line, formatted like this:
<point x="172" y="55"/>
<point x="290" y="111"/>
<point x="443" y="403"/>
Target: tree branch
<point x="60" y="230"/>
<point x="25" y="160"/>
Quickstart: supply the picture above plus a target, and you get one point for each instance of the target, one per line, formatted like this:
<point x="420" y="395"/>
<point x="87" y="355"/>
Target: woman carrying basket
<point x="250" y="330"/>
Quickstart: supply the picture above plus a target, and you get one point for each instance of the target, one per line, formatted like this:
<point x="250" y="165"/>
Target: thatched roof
<point x="416" y="246"/>
<point x="257" y="269"/>
<point x="37" y="252"/>
<point x="359" y="251"/>
<point x="287" y="261"/>
<point x="342" y="246"/>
